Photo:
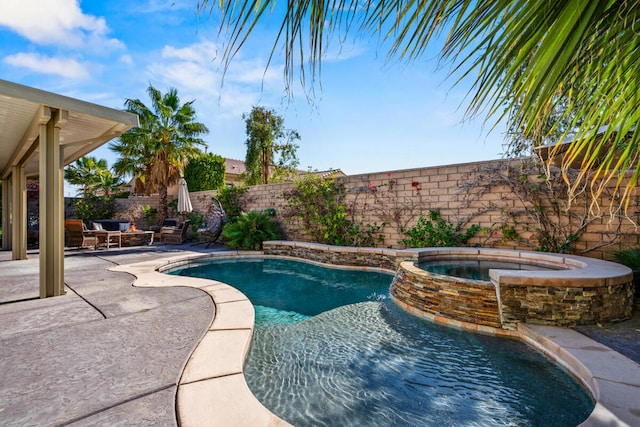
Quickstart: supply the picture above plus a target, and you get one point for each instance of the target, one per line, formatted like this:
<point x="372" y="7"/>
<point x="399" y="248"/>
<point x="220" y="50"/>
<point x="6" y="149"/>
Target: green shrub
<point x="149" y="213"/>
<point x="94" y="207"/>
<point x="250" y="230"/>
<point x="231" y="200"/>
<point x="196" y="219"/>
<point x="206" y="172"/>
<point x="318" y="205"/>
<point x="628" y="257"/>
<point x="437" y="232"/>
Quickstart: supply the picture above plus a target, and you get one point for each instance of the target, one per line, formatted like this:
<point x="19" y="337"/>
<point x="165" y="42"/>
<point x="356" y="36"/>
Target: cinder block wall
<point x="470" y="193"/>
<point x="459" y="192"/>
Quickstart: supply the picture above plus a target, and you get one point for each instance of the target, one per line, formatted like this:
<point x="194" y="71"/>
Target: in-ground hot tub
<point x="543" y="288"/>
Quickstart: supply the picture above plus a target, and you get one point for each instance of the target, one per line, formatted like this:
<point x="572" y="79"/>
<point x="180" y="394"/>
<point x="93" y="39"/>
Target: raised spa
<point x="517" y="286"/>
<point x="563" y="290"/>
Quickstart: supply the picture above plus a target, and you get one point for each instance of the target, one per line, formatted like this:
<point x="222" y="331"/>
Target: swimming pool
<point x="360" y="360"/>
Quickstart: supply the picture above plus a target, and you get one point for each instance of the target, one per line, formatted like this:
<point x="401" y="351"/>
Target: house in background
<point x="234" y="171"/>
<point x="335" y="173"/>
<point x="236" y="168"/>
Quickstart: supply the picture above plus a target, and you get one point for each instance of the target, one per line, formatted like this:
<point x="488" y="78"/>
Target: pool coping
<point x="217" y="394"/>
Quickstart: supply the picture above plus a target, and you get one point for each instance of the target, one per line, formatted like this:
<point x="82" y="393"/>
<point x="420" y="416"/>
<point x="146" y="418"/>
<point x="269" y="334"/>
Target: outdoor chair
<point x="174" y="235"/>
<point x="78" y="236"/>
<point x="168" y="222"/>
<point x="214" y="222"/>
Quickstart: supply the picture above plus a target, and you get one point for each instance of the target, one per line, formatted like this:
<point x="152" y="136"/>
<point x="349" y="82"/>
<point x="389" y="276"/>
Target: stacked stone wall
<point x="357" y="257"/>
<point x="601" y="293"/>
<point x="566" y="306"/>
<point x="461" y="300"/>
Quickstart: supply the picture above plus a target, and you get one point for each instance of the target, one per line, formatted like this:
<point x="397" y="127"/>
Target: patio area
<point x="108" y="353"/>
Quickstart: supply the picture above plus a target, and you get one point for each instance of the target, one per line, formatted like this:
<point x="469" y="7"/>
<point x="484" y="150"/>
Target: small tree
<point x="205" y="172"/>
<point x="266" y="139"/>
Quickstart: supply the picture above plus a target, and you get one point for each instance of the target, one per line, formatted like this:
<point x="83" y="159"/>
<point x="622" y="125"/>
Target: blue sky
<point x="370" y="114"/>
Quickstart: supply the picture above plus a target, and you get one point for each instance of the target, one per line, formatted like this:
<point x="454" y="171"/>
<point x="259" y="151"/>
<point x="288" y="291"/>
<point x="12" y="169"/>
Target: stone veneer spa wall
<point x="582" y="291"/>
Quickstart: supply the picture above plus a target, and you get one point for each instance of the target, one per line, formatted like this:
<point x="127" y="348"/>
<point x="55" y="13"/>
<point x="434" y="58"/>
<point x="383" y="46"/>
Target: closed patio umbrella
<point x="184" y="202"/>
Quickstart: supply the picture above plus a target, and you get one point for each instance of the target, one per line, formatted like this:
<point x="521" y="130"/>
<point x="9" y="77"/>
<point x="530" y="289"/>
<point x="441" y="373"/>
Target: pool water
<point x="330" y="348"/>
<point x="474" y="269"/>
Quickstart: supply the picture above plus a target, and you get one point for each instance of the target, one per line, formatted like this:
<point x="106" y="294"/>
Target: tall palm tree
<point x="526" y="56"/>
<point x="156" y="152"/>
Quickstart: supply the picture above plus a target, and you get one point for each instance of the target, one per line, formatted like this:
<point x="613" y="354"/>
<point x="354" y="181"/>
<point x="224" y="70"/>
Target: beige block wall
<point x="400" y="197"/>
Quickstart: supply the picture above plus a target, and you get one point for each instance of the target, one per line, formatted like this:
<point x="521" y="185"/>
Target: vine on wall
<point x="317" y="206"/>
<point x="543" y="217"/>
<point x="509" y="204"/>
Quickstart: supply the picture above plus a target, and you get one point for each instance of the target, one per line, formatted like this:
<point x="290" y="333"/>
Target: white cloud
<point x="197" y="72"/>
<point x="126" y="59"/>
<point x="56" y="22"/>
<point x="202" y="53"/>
<point x="65" y="67"/>
<point x="204" y="57"/>
<point x="252" y="72"/>
<point x="191" y="68"/>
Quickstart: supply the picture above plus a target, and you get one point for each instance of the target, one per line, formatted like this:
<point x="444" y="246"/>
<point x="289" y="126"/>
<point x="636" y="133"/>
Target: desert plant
<point x="250" y="230"/>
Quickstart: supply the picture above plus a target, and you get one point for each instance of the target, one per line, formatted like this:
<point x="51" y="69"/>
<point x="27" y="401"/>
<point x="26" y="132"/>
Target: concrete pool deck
<point x="78" y="359"/>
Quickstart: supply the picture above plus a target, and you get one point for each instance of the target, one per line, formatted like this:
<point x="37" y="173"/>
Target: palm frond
<point x="525" y="57"/>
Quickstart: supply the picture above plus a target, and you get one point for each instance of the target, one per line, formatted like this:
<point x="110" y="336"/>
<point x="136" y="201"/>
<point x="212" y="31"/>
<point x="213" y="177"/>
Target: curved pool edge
<point x="612" y="379"/>
<point x="217" y="393"/>
<point x="212" y="390"/>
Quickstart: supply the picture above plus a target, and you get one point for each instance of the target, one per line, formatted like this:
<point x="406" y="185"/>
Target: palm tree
<point x="156" y="152"/>
<point x="87" y="172"/>
<point x="109" y="184"/>
<point x="527" y="58"/>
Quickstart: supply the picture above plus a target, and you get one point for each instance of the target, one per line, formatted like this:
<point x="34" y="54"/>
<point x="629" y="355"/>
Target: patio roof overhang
<point x="83" y="126"/>
<point x="40" y="133"/>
